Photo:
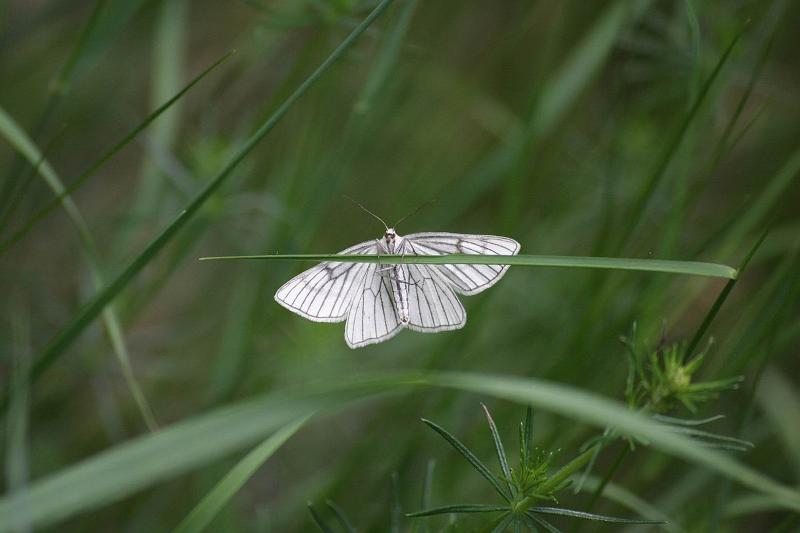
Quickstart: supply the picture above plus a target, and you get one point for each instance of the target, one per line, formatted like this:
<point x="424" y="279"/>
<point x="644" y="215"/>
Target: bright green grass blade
<point x="205" y="511"/>
<point x="17" y="137"/>
<point x="90" y="311"/>
<point x="694" y="268"/>
<point x="147" y="460"/>
<point x="94" y="167"/>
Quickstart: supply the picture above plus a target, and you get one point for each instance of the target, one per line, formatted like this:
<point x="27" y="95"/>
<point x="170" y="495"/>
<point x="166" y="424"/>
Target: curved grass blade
<point x="460" y="508"/>
<point x="469" y="456"/>
<point x="693" y="268"/>
<point x="501" y="452"/>
<point x="341" y="517"/>
<point x="205" y="511"/>
<point x="591" y="516"/>
<point x="318" y="520"/>
<point x="94" y="167"/>
<point x="598" y="411"/>
<point x="92" y="308"/>
<point x="660" y="170"/>
<point x="57" y="88"/>
<point x="17" y="137"/>
<point x="153" y="458"/>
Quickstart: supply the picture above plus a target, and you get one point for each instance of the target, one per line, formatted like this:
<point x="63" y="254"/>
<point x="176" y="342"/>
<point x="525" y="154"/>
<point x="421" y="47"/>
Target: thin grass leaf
<point x="470" y="457"/>
<point x="145" y="461"/>
<point x="94" y="167"/>
<point x="395" y="512"/>
<point x="591" y="516"/>
<point x="501" y="452"/>
<point x="542" y="523"/>
<point x="597" y="411"/>
<point x="92" y="308"/>
<point x="693" y="268"/>
<point x="460" y="508"/>
<point x="426" y="499"/>
<point x="691" y="432"/>
<point x="636" y="214"/>
<point x="318" y="520"/>
<point x="204" y="512"/>
<point x="341" y="516"/>
<point x="17" y="445"/>
<point x="57" y="88"/>
<point x="723" y="295"/>
<point x="17" y="137"/>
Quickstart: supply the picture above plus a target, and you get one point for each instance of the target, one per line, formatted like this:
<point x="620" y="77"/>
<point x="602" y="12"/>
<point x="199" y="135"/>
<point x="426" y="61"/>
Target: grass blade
<point x="94" y="167"/>
<point x="147" y="460"/>
<point x="694" y="268"/>
<point x="341" y="516"/>
<point x="318" y="520"/>
<point x="90" y="311"/>
<point x="205" y="511"/>
<point x="469" y="456"/>
<point x="17" y="137"/>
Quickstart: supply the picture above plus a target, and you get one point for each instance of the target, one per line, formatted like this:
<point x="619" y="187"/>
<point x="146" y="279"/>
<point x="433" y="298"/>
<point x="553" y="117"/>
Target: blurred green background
<point x="576" y="127"/>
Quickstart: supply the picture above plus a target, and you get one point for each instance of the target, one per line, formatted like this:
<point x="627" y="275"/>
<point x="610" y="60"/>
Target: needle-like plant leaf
<point x="590" y="516"/>
<point x="501" y="452"/>
<point x="469" y="456"/>
<point x="460" y="508"/>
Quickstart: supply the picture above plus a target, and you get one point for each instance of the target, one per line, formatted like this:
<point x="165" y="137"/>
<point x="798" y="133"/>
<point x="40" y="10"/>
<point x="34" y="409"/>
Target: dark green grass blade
<point x="460" y="508"/>
<point x="94" y="167"/>
<point x="637" y="212"/>
<point x="145" y="461"/>
<point x="318" y="520"/>
<point x="694" y="268"/>
<point x="92" y="308"/>
<point x="723" y="295"/>
<point x="591" y="516"/>
<point x="476" y="463"/>
<point x="341" y="517"/>
<point x="213" y="502"/>
<point x="56" y="91"/>
<point x="501" y="452"/>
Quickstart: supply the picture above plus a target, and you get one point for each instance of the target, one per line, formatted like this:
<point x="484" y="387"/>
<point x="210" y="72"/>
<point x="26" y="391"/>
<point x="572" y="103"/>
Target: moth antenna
<point x="368" y="211"/>
<point x="417" y="210"/>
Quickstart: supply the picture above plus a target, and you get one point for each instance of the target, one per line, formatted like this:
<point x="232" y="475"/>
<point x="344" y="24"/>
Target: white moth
<point x="379" y="300"/>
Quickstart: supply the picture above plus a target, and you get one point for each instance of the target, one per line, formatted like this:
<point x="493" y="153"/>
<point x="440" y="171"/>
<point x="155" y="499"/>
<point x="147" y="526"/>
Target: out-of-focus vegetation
<point x="627" y="128"/>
